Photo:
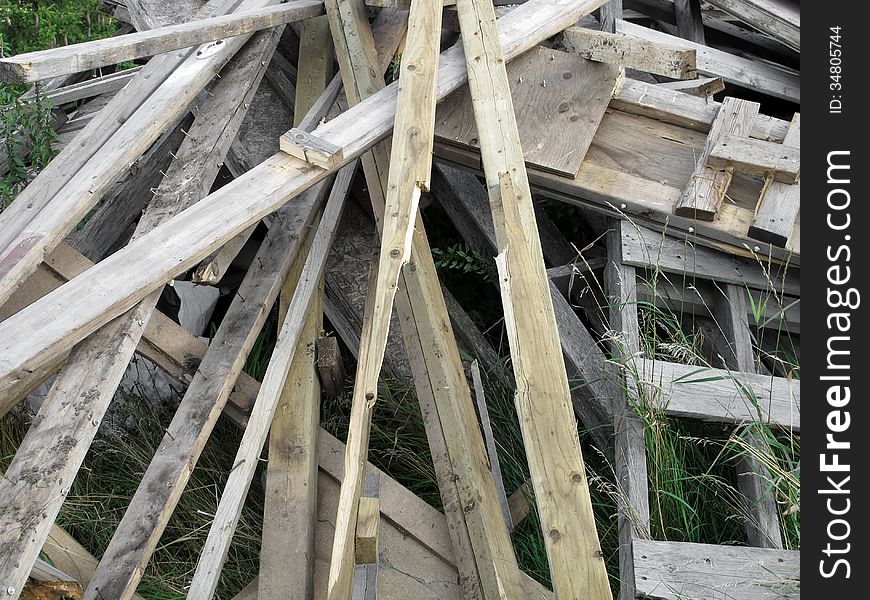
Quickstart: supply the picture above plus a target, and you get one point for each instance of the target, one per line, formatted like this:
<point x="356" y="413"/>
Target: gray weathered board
<point x="681" y="571"/>
<point x="559" y="100"/>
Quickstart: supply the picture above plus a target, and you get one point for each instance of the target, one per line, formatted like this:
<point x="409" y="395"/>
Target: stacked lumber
<point x="300" y="179"/>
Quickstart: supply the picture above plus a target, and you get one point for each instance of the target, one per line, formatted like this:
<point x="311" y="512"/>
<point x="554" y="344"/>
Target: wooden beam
<point x="311" y="149"/>
<point x="330" y="367"/>
<point x="642" y="247"/>
<point x="632" y="53"/>
<point x="689" y="23"/>
<point x="208" y="33"/>
<point x="780" y="162"/>
<point x="543" y="396"/>
<point x="92" y="87"/>
<point x="708" y="184"/>
<point x="72" y="183"/>
<point x="366" y="545"/>
<point x="678" y="570"/>
<point x="780" y="19"/>
<point x="755" y="75"/>
<point x="609" y="14"/>
<point x="780" y="203"/>
<point x="177" y="247"/>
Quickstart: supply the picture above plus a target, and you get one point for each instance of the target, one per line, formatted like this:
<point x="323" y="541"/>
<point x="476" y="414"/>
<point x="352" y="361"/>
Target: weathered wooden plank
<point x="75" y="180"/>
<point x="780" y="19"/>
<point x="632" y="53"/>
<point x="92" y="87"/>
<point x="492" y="453"/>
<point x="643" y="247"/>
<point x="720" y="395"/>
<point x="366" y="544"/>
<point x="330" y="367"/>
<point x="704" y="87"/>
<point x="679" y="570"/>
<point x="620" y="282"/>
<point x="209" y="33"/>
<point x="775" y="81"/>
<point x="311" y="149"/>
<point x="780" y="203"/>
<point x="609" y="14"/>
<point x="95" y="366"/>
<point x="709" y="183"/>
<point x="543" y="396"/>
<point x="756" y="157"/>
<point x="192" y="235"/>
<point x="689" y="23"/>
<point x="559" y="101"/>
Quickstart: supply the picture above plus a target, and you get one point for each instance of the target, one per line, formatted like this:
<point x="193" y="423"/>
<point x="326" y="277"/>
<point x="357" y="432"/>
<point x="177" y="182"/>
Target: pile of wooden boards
<point x="235" y="123"/>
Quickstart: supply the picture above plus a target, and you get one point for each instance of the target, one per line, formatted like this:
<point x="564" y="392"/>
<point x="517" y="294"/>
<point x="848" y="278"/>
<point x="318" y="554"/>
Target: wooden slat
<point x="366" y="544"/>
<point x="559" y="100"/>
<point x="704" y="87"/>
<point x="311" y="149"/>
<point x="42" y="64"/>
<point x="720" y="395"/>
<point x="779" y="161"/>
<point x="642" y="55"/>
<point x="620" y="283"/>
<point x="780" y="203"/>
<point x="92" y="87"/>
<point x="756" y="75"/>
<point x="642" y="247"/>
<point x="197" y="231"/>
<point x="780" y="19"/>
<point x="543" y="399"/>
<point x="679" y="570"/>
<point x="709" y="183"/>
<point x="609" y="14"/>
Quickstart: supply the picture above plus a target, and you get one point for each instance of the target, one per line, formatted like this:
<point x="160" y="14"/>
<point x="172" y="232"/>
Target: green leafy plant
<point x="460" y="257"/>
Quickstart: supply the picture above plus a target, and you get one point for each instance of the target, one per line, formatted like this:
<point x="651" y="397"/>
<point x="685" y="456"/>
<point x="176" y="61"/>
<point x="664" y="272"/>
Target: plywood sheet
<point x="559" y="100"/>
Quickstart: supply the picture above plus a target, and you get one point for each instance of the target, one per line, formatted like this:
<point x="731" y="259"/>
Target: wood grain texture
<point x="690" y="25"/>
<point x="559" y="100"/>
<point x="779" y="161"/>
<point x="679" y="570"/>
<point x="703" y="87"/>
<point x="311" y="149"/>
<point x="709" y="182"/>
<point x="720" y="395"/>
<point x="543" y="398"/>
<point x="208" y="33"/>
<point x="780" y="203"/>
<point x="642" y="247"/>
<point x="632" y="53"/>
<point x="743" y="72"/>
<point x="780" y="19"/>
<point x="184" y="241"/>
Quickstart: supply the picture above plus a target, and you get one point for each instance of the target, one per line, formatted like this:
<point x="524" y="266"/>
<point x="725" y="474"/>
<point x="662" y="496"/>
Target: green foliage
<point x="462" y="258"/>
<point x="27" y="139"/>
<point x="28" y="25"/>
<point x="394" y="68"/>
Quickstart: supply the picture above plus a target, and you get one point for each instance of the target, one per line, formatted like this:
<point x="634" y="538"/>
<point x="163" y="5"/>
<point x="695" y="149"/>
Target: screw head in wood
<point x="756" y="248"/>
<point x="623" y="206"/>
<point x="10" y="590"/>
<point x="691" y="230"/>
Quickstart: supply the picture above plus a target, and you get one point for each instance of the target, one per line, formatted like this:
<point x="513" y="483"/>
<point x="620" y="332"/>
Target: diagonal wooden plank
<point x="543" y="399"/>
<point x="780" y="203"/>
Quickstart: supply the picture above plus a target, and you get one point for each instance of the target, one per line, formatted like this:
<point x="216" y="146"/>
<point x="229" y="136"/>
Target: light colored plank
<point x="780" y="203"/>
<point x="366" y="544"/>
<point x="92" y="87"/>
<point x="632" y="53"/>
<point x="215" y="266"/>
<point x="609" y="14"/>
<point x="642" y="247"/>
<point x="679" y="570"/>
<point x="756" y="157"/>
<point x="543" y="397"/>
<point x="311" y="149"/>
<point x="780" y="19"/>
<point x="709" y="183"/>
<point x="559" y="101"/>
<point x="756" y="75"/>
<point x="194" y="233"/>
<point x="209" y="33"/>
